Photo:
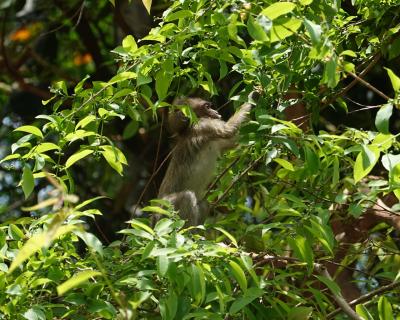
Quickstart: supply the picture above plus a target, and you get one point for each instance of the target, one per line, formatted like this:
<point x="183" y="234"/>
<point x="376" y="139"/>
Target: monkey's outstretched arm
<point x="217" y="129"/>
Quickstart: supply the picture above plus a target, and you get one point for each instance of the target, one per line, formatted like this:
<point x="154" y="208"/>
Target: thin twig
<point x="368" y="85"/>
<point x="342" y="303"/>
<point x="366" y="297"/>
<point x="220" y="176"/>
<point x="237" y="179"/>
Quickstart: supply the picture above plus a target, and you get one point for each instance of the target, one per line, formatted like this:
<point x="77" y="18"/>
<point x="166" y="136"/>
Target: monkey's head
<point x="178" y="122"/>
<point x="203" y="108"/>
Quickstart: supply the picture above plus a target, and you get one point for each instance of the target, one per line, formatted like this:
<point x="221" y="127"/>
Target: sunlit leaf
<point x="239" y="275"/>
<point x="277" y="9"/>
<point x="31" y="129"/>
<point x="382" y="118"/>
<point x="27" y="182"/>
<point x="76" y="280"/>
<point x="78" y="156"/>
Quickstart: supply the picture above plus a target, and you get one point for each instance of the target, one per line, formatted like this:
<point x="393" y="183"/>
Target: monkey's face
<point x="204" y="109"/>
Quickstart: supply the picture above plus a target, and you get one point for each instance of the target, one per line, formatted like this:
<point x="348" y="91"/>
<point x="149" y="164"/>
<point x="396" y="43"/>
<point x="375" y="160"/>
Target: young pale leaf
<point x="28" y="181"/>
<point x="37" y="242"/>
<point x="77" y="156"/>
<point x="382" y="118"/>
<point x="239" y="275"/>
<point x="385" y="309"/>
<point x="249" y="296"/>
<point x="31" y="129"/>
<point x="277" y="9"/>
<point x="76" y="280"/>
<point x="394" y="79"/>
<point x="11" y="157"/>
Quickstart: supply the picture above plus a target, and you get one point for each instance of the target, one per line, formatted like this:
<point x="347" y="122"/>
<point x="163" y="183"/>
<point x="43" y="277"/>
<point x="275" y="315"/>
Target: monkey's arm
<point x="218" y="129"/>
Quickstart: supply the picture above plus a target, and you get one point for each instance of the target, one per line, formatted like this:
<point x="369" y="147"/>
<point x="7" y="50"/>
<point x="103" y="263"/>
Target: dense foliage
<point x="306" y="213"/>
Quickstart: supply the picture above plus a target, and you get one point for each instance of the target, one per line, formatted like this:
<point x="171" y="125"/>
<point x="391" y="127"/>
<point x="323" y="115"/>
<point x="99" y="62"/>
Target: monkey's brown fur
<point x="194" y="158"/>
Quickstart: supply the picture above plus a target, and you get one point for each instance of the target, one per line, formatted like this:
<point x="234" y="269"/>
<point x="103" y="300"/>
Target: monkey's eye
<point x="208" y="105"/>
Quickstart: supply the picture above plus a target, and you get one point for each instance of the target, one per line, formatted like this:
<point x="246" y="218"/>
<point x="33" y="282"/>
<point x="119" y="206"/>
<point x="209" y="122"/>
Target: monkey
<point x="194" y="157"/>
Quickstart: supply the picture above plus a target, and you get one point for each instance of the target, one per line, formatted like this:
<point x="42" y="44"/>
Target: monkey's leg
<point x="189" y="207"/>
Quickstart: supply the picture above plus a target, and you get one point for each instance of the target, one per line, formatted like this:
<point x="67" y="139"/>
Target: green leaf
<point x="27" y="182"/>
<point x="385" y="309"/>
<point x="31" y="129"/>
<point x="363" y="312"/>
<point x="331" y="77"/>
<point x="122" y="77"/>
<point x="239" y="275"/>
<point x="382" y="118"/>
<point x="147" y="5"/>
<point x="394" y="79"/>
<point x="277" y="9"/>
<point x="91" y="241"/>
<point x="11" y="157"/>
<point x="162" y="265"/>
<point x="332" y="285"/>
<point x="78" y="156"/>
<point x="164" y="78"/>
<point x="129" y="42"/>
<point x="249" y="296"/>
<point x="365" y="161"/>
<point x="178" y="15"/>
<point x="35" y="313"/>
<point x="197" y="284"/>
<point x="228" y="235"/>
<point x="131" y="129"/>
<point x="255" y="30"/>
<point x="147" y="250"/>
<point x="312" y="160"/>
<point x="314" y="30"/>
<point x="141" y="225"/>
<point x="46" y="146"/>
<point x="302" y="250"/>
<point x="285" y="164"/>
<point x="85" y="121"/>
<point x="300" y="313"/>
<point x="114" y="157"/>
<point x="284" y="29"/>
<point x="76" y="280"/>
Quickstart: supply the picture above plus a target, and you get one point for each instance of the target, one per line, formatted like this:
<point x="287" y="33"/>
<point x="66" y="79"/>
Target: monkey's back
<point x="192" y="165"/>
